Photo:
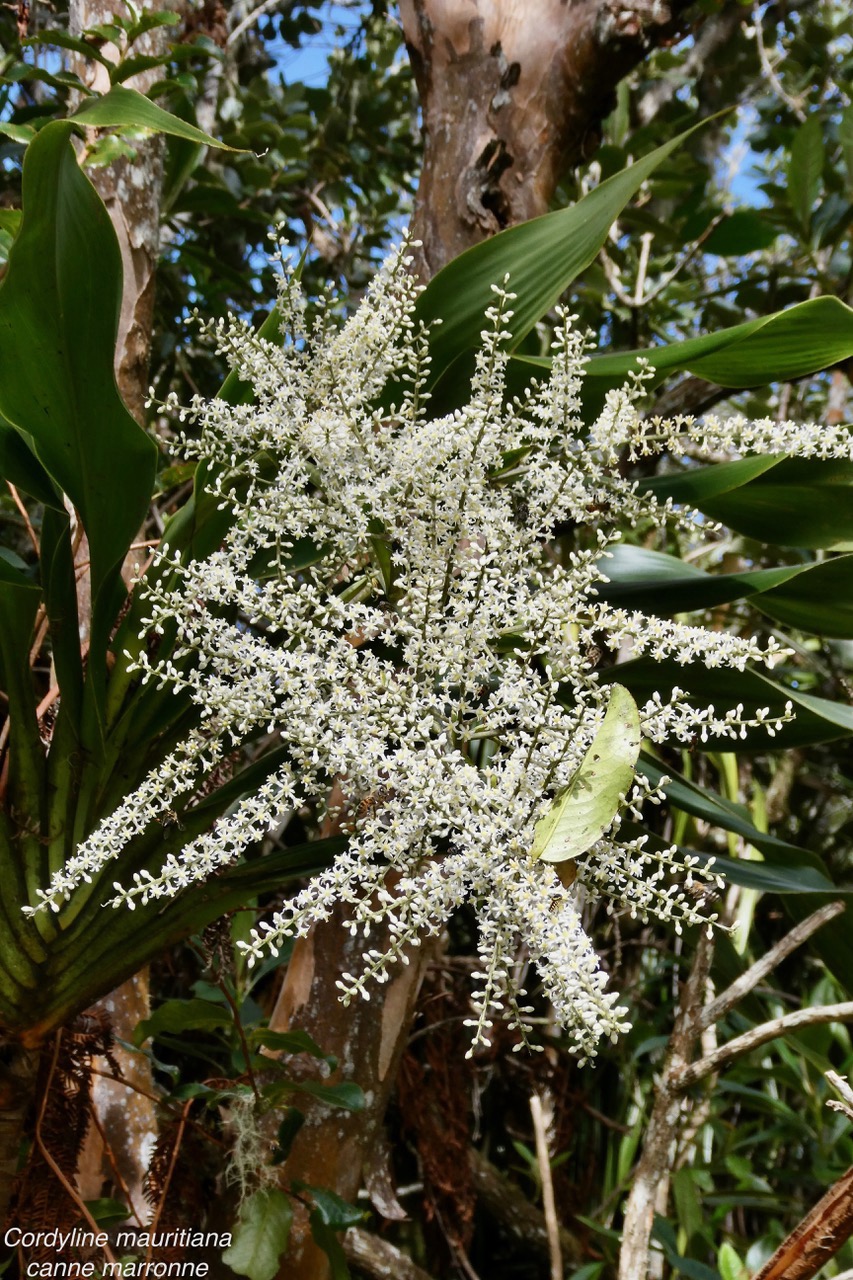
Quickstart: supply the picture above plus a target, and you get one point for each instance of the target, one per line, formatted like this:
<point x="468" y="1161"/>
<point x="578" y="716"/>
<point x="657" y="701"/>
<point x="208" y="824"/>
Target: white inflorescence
<point x="388" y="602"/>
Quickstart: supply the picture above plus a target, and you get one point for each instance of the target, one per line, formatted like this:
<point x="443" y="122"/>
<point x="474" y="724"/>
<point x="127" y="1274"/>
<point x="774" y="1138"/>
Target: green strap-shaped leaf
<point x="789" y="344"/>
<point x="819" y="600"/>
<point x="585" y="809"/>
<point x="542" y="258"/>
<point x="815" y="719"/>
<point x="789" y="502"/>
<point x="262" y="1235"/>
<point x="701" y="483"/>
<point x="19" y="602"/>
<point x="661" y="584"/>
<point x="59" y="306"/>
<point x="20" y="466"/>
<point x="797" y="870"/>
<point x="123" y="107"/>
<point x="102" y="948"/>
<point x="801" y="503"/>
<point x="815" y="597"/>
<point x="798" y="875"/>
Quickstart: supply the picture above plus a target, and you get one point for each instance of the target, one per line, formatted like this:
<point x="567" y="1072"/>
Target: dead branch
<point x="762" y="1034"/>
<point x="379" y="1259"/>
<point x="544" y="1160"/>
<point x="749" y="980"/>
<point x="817" y="1238"/>
<point x="514" y="1214"/>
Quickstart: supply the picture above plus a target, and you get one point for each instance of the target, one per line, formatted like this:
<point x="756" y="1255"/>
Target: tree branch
<point x="749" y="980"/>
<point x="653" y="1167"/>
<point x="757" y="1036"/>
<point x="544" y="1161"/>
<point x="379" y="1259"/>
<point x="817" y="1238"/>
<point x="512" y="1211"/>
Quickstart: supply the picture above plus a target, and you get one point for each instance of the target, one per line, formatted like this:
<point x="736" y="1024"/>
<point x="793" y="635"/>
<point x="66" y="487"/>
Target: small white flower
<point x="387" y="602"/>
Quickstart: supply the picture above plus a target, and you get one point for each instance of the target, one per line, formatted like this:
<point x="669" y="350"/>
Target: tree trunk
<point x="334" y="1148"/>
<point x="513" y="94"/>
<point x="131" y="189"/>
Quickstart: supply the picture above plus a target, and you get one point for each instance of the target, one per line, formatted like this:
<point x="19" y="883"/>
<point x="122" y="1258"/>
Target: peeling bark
<point x="512" y="96"/>
<point x="378" y="1259"/>
<point x="131" y="191"/>
<point x="334" y="1148"/>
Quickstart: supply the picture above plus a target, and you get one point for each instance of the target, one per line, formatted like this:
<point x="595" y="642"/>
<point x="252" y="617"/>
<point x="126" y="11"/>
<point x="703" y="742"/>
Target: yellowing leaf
<point x="585" y="809"/>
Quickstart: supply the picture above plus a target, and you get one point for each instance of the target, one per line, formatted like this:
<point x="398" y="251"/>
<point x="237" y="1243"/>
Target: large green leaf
<point x="789" y="344"/>
<point x="797" y="874"/>
<point x="585" y="809"/>
<point x="19" y="602"/>
<point x="815" y="719"/>
<point x="815" y="597"/>
<point x="261" y="1236"/>
<point x="790" y="502"/>
<point x="819" y="600"/>
<point x="800" y="503"/>
<point x="20" y="466"/>
<point x="542" y="258"/>
<point x="792" y="869"/>
<point x="661" y="584"/>
<point x="102" y="948"/>
<point x="699" y="484"/>
<point x="59" y="307"/>
<point x="121" y="107"/>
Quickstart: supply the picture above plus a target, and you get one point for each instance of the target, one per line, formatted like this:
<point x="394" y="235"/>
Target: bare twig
<point x="770" y="73"/>
<point x="715" y="33"/>
<point x="163" y="1101"/>
<point x="749" y="980"/>
<point x="762" y="1034"/>
<point x="642" y="268"/>
<point x="640" y="298"/>
<point x="31" y="533"/>
<point x="550" y="1209"/>
<point x="845" y="1106"/>
<point x="267" y="6"/>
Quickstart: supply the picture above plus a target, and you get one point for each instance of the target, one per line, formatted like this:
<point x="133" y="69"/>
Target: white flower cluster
<point x="391" y="603"/>
<point x="739" y="435"/>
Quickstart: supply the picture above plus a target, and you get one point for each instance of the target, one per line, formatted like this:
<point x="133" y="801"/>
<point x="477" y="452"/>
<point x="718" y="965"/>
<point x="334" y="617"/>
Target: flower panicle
<point x="391" y="605"/>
